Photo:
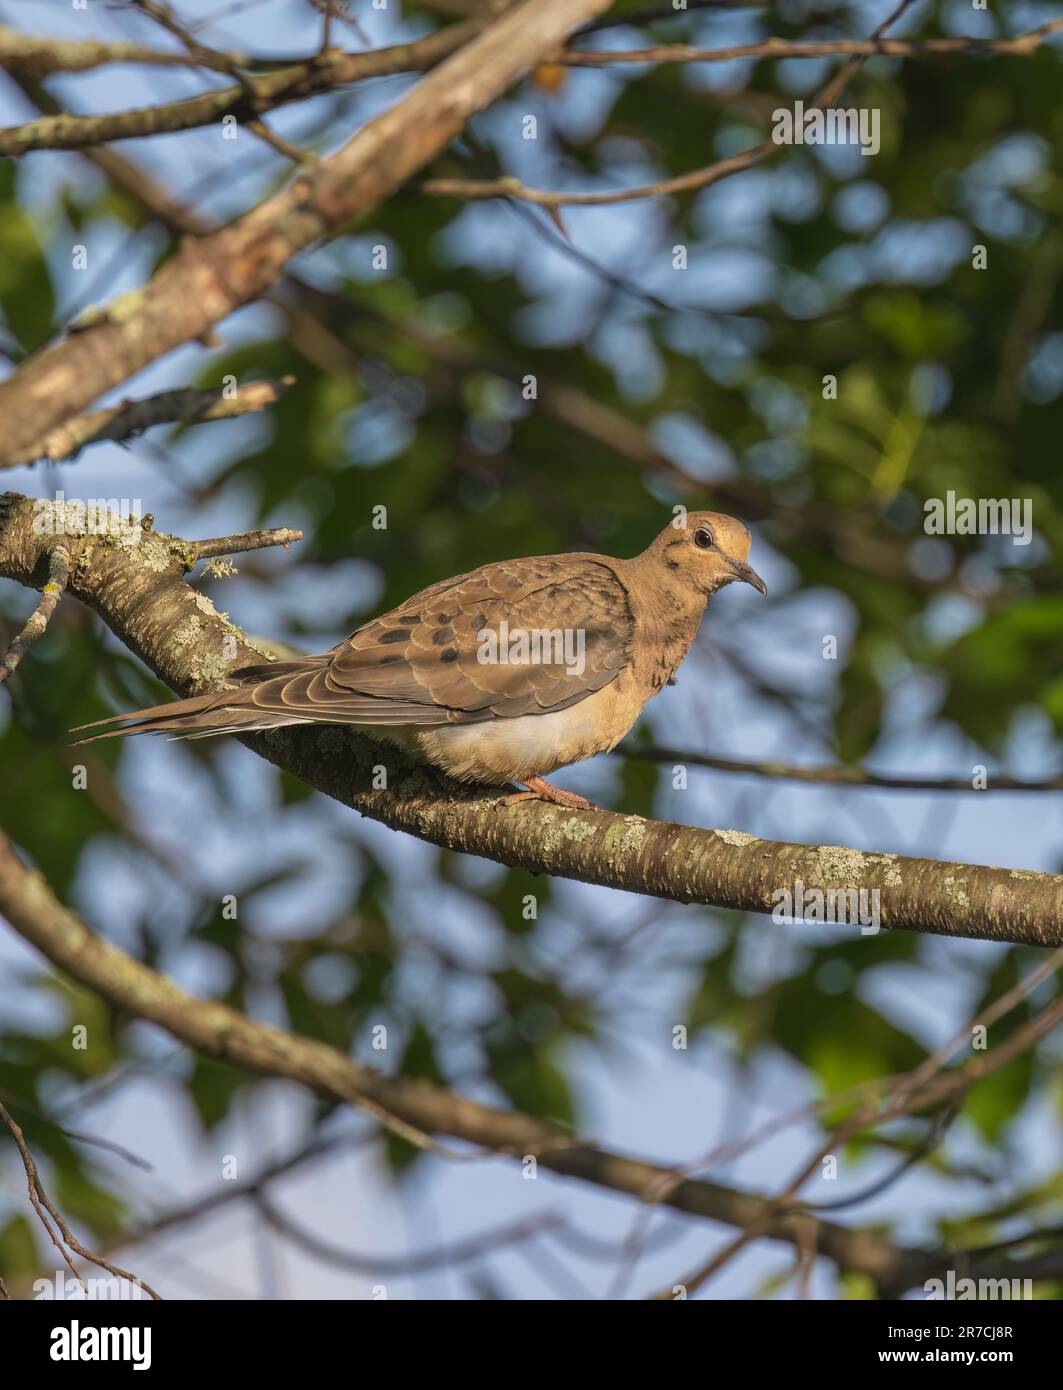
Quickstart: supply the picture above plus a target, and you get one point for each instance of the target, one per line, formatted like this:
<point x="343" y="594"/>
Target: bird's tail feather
<point x="200" y="716"/>
<point x="266" y="697"/>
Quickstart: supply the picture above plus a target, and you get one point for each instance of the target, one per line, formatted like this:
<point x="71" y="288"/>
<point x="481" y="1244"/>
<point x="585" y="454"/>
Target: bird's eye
<point x="703" y="538"/>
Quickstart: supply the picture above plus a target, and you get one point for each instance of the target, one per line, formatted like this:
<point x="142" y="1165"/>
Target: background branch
<point x="61" y="1236"/>
<point x="217" y="1030"/>
<point x="245" y="100"/>
<point x="839" y="775"/>
<point x="206" y="280"/>
<point x="1021" y="44"/>
<point x="123" y="422"/>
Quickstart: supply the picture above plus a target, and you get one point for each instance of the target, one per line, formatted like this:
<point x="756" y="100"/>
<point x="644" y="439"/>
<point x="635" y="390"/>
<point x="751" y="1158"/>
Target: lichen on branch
<point x="140" y="592"/>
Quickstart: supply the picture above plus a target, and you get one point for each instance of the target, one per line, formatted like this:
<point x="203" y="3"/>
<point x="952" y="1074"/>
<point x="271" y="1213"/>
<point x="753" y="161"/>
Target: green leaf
<point x="26" y="295"/>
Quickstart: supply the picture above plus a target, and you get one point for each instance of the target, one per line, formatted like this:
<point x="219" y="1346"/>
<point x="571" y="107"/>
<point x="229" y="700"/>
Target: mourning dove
<point x="501" y="675"/>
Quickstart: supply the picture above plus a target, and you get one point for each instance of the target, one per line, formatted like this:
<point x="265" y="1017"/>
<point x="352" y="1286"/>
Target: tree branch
<point x="61" y="1236"/>
<point x="389" y="1266"/>
<point x="509" y="187"/>
<point x="40" y="56"/>
<point x="776" y="48"/>
<point x="209" y="57"/>
<point x="689" y="182"/>
<point x="139" y="591"/>
<point x="58" y="574"/>
<point x="219" y="1031"/>
<point x="206" y="280"/>
<point x="123" y="422"/>
<point x="856" y="50"/>
<point x="857" y="546"/>
<point x="839" y="775"/>
<point x="245" y="100"/>
<point x="246" y="540"/>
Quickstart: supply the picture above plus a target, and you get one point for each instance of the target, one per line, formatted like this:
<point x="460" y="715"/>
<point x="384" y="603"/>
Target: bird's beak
<point x="747" y="574"/>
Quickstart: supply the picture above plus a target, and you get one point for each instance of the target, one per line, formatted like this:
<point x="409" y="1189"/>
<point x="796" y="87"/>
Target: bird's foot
<point x="539" y="789"/>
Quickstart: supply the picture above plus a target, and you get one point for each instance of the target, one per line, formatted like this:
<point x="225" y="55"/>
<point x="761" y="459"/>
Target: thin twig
<point x="58" y="574"/>
<point x="40" y="56"/>
<point x="125" y="421"/>
<point x="991" y="1014"/>
<point x="109" y="1144"/>
<point x="42" y="1204"/>
<point x="248" y="540"/>
<point x="813" y="48"/>
<point x="471" y="1248"/>
<point x="509" y="187"/>
<point x="164" y="15"/>
<point x="922" y="1150"/>
<point x="837" y="774"/>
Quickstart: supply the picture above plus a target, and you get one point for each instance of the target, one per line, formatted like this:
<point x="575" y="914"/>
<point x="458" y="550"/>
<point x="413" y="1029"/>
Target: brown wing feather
<point x="422" y="662"/>
<point x="427" y="654"/>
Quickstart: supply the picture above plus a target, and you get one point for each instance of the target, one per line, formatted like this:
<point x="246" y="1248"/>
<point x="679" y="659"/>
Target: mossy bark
<point x="137" y="587"/>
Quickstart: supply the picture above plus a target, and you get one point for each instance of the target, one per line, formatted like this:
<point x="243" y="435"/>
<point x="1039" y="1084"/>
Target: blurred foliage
<point x="408" y="396"/>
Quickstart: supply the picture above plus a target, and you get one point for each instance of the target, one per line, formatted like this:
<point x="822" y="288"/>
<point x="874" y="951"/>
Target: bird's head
<point x="706" y="550"/>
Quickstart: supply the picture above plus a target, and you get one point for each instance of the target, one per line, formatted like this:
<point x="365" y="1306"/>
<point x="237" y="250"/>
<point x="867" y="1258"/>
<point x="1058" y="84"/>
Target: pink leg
<point x="539" y="789"/>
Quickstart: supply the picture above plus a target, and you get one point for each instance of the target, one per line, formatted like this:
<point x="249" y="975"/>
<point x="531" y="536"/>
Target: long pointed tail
<point x="201" y="716"/>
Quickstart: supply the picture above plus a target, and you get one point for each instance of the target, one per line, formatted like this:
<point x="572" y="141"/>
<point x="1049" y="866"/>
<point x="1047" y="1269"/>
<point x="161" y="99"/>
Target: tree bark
<point x="138" y="590"/>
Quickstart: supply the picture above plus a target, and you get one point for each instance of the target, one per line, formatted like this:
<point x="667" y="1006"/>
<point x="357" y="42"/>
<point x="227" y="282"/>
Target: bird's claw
<point x="538" y="789"/>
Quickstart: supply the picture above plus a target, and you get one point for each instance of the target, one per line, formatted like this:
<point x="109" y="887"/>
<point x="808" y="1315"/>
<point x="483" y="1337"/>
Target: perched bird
<point x="501" y="675"/>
